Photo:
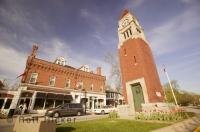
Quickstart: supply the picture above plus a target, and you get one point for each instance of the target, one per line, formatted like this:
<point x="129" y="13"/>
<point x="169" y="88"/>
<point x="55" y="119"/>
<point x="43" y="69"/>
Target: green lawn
<point x="109" y="125"/>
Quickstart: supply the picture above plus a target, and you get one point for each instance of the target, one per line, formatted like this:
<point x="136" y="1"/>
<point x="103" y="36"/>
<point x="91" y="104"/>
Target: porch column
<point x="92" y="104"/>
<point x="44" y="104"/>
<point x="33" y="100"/>
<point x="4" y="103"/>
<point x="54" y="103"/>
<point x="97" y="102"/>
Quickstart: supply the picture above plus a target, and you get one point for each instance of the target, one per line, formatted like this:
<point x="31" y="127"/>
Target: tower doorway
<point x="138" y="96"/>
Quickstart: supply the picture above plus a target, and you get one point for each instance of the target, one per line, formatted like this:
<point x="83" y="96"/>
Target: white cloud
<point x="168" y="36"/>
<point x="132" y="4"/>
<point x="187" y="1"/>
<point x="12" y="62"/>
<point x="56" y="47"/>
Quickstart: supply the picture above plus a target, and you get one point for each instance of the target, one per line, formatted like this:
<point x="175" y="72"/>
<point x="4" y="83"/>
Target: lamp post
<point x="85" y="93"/>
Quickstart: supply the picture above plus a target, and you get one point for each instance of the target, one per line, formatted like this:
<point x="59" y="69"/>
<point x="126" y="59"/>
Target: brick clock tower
<point x="140" y="80"/>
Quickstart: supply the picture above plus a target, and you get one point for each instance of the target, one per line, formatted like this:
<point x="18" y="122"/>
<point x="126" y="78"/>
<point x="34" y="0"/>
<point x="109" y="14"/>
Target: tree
<point x="1" y="85"/>
<point x="113" y="61"/>
<point x="9" y="84"/>
<point x="184" y="98"/>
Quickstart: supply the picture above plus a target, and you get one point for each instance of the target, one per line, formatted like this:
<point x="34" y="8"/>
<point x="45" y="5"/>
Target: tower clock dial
<point x="125" y="23"/>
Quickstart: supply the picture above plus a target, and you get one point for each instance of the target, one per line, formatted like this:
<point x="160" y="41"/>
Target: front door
<point x="137" y="96"/>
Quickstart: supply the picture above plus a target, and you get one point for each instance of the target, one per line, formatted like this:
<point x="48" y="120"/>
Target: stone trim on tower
<point x="129" y="28"/>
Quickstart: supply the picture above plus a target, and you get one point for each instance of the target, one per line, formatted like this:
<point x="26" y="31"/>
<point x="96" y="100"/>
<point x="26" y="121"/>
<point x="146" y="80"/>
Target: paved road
<point x="192" y="109"/>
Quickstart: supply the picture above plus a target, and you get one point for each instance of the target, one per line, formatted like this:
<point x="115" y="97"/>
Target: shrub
<point x="3" y="115"/>
<point x="113" y="114"/>
<point x="163" y="116"/>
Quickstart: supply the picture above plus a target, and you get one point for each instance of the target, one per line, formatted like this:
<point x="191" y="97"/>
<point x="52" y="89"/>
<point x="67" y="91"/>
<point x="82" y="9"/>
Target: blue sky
<point x="85" y="31"/>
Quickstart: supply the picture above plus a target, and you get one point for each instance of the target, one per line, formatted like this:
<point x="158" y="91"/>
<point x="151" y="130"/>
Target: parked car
<point x="104" y="110"/>
<point x="67" y="109"/>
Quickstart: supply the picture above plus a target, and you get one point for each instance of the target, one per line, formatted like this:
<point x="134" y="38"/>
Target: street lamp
<point x="85" y="92"/>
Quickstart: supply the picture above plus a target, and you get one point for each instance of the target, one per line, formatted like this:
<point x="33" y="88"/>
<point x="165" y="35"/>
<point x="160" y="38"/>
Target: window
<point x="1" y="103"/>
<point x="125" y="52"/>
<point x="91" y="87"/>
<point x="130" y="31"/>
<point x="102" y="89"/>
<point x="127" y="33"/>
<point x="33" y="78"/>
<point x="49" y="103"/>
<point x="138" y="30"/>
<point x="39" y="103"/>
<point x="67" y="85"/>
<point x="52" y="81"/>
<point x="79" y="85"/>
<point x="8" y="103"/>
<point x="135" y="59"/>
<point x="124" y="35"/>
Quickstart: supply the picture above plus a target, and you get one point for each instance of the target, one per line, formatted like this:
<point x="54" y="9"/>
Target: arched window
<point x="130" y="31"/>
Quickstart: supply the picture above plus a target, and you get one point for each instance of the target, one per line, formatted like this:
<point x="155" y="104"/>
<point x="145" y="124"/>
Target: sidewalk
<point x="188" y="125"/>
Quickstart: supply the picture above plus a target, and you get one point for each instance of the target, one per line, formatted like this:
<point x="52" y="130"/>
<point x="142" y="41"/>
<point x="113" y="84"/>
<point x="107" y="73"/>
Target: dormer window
<point x="33" y="78"/>
<point x="60" y="61"/>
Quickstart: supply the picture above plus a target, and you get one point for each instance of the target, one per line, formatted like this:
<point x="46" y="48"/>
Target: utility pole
<point x="171" y="86"/>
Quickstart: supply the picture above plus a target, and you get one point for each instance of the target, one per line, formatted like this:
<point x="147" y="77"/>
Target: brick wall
<point x="136" y="61"/>
<point x="47" y="69"/>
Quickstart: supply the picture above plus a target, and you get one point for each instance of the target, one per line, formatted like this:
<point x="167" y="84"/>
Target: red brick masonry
<point x="136" y="61"/>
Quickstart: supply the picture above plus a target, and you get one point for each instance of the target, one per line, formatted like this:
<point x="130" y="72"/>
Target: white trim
<point x="52" y="79"/>
<point x="34" y="75"/>
<point x="59" y="88"/>
<point x="130" y="94"/>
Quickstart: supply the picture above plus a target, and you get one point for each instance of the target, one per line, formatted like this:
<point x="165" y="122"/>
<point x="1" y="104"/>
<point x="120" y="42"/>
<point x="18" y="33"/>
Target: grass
<point x="110" y="125"/>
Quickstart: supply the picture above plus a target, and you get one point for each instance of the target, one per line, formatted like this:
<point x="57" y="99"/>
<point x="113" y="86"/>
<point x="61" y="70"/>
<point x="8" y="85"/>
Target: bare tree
<point x="1" y="85"/>
<point x="9" y="84"/>
<point x="113" y="61"/>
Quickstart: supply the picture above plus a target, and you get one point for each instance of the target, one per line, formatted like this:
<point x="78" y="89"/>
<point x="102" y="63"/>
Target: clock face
<point x="125" y="22"/>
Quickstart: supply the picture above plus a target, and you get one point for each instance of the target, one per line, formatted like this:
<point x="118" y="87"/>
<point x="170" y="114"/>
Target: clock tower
<point x="140" y="80"/>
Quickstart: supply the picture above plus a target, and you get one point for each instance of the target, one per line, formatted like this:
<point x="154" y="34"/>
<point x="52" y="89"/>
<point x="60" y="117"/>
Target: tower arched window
<point x="138" y="30"/>
<point x="125" y="52"/>
<point x="124" y="35"/>
<point x="127" y="33"/>
<point x="135" y="61"/>
<point x="130" y="31"/>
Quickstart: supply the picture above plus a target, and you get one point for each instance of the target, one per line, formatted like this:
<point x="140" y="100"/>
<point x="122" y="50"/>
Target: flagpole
<point x="171" y="86"/>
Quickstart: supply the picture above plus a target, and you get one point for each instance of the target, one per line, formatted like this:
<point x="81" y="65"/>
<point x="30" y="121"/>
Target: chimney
<point x="34" y="51"/>
<point x="98" y="71"/>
